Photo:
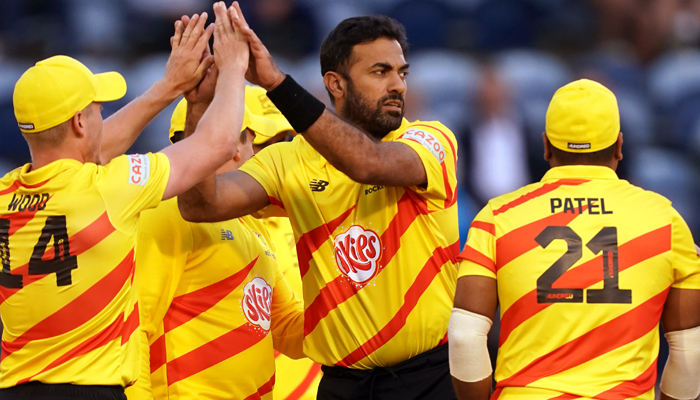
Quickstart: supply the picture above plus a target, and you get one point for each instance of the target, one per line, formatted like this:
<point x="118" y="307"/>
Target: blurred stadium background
<point x="485" y="68"/>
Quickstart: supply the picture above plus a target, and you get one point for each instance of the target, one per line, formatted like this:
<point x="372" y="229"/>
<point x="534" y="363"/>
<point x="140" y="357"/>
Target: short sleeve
<point x="686" y="264"/>
<point x="163" y="244"/>
<point x="287" y="320"/>
<point x="132" y="183"/>
<point x="265" y="167"/>
<point x="437" y="148"/>
<point x="479" y="254"/>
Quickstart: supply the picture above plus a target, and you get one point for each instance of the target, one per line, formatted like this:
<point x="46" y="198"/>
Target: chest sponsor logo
<point x="257" y="303"/>
<point x="357" y="252"/>
<point x="226" y="234"/>
<point x="139" y="169"/>
<point x="428" y="141"/>
<point x="318" y="185"/>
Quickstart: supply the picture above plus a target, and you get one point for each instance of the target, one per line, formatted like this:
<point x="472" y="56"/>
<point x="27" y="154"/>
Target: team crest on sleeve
<point x="139" y="169"/>
<point x="428" y="141"/>
<point x="257" y="303"/>
<point x="357" y="253"/>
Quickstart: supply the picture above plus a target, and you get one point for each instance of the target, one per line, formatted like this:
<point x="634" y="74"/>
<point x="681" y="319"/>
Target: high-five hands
<point x="230" y="46"/>
<point x="190" y="57"/>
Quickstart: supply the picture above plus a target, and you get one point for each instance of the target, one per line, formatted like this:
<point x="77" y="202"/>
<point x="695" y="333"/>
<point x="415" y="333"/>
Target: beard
<point x="372" y="120"/>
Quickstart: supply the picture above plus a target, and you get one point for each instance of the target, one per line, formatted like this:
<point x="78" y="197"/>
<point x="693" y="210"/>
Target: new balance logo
<point x="226" y="234"/>
<point x="318" y="185"/>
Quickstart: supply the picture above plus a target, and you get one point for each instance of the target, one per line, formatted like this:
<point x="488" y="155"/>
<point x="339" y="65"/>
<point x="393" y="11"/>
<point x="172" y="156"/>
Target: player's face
<point x="377" y="86"/>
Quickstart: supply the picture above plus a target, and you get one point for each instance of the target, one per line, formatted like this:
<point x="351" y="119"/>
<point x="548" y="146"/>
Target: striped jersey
<point x="67" y="238"/>
<point x="378" y="264"/>
<point x="584" y="262"/>
<point x="295" y="379"/>
<point x="213" y="306"/>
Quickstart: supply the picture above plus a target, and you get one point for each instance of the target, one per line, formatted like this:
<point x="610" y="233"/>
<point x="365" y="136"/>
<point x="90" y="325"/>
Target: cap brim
<point x="110" y="86"/>
<point x="264" y="128"/>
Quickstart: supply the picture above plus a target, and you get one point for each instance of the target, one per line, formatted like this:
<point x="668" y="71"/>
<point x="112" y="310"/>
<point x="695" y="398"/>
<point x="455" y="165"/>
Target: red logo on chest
<point x="257" y="303"/>
<point x="357" y="252"/>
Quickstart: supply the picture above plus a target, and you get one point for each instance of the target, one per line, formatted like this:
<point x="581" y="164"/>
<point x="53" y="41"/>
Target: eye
<point x="379" y="72"/>
<point x="404" y="74"/>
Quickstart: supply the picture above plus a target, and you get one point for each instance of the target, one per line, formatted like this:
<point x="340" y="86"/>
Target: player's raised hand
<point x="204" y="92"/>
<point x="190" y="57"/>
<point x="230" y="47"/>
<point x="262" y="70"/>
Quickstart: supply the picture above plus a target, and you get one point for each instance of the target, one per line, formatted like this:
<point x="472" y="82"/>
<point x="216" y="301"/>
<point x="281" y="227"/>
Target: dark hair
<point x="600" y="157"/>
<point x="336" y="48"/>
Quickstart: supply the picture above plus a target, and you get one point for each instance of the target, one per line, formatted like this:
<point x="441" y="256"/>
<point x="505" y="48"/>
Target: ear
<point x="79" y="124"/>
<point x="237" y="156"/>
<point x="547" y="151"/>
<point x="335" y="84"/>
<point x="618" y="147"/>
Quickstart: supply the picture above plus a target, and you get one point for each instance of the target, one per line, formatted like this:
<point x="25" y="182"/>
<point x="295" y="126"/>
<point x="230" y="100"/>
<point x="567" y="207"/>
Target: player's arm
<point x="344" y="146"/>
<point x="681" y="318"/>
<point x="214" y="142"/>
<point x="185" y="68"/>
<point x="287" y="320"/>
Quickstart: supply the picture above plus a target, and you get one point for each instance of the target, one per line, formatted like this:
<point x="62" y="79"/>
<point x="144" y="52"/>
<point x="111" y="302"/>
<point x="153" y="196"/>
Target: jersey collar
<point x="580" y="171"/>
<point x="46" y="172"/>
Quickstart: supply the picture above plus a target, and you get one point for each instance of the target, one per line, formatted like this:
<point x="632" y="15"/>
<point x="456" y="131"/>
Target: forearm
<point x="472" y="390"/>
<point x="123" y="127"/>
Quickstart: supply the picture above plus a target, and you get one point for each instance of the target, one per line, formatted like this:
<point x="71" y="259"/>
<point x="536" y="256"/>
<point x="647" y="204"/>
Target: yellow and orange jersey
<point x="378" y="263"/>
<point x="584" y="262"/>
<point x="213" y="306"/>
<point x="295" y="379"/>
<point x="67" y="238"/>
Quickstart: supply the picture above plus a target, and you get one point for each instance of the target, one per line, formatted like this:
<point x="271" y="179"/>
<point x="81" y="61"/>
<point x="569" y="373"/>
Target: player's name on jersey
<point x="579" y="205"/>
<point x="28" y="202"/>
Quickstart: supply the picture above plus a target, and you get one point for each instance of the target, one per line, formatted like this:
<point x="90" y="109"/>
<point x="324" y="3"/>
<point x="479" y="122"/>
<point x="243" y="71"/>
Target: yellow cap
<point x="583" y="117"/>
<point x="53" y="90"/>
<point x="263" y="127"/>
<point x="259" y="104"/>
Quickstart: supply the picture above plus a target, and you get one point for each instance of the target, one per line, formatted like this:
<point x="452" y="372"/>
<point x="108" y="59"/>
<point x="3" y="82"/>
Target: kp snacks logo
<point x="357" y="252"/>
<point x="257" y="302"/>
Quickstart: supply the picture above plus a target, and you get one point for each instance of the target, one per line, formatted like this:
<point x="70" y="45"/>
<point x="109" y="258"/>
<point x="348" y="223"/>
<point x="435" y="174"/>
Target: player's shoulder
<point x="510" y="197"/>
<point x="435" y="127"/>
<point x="634" y="193"/>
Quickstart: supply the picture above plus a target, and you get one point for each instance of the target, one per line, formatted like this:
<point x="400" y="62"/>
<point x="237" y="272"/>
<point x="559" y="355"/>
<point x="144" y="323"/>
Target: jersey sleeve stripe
<point x="157" y="353"/>
<point x="629" y="326"/>
<point x="275" y="202"/>
<point x="450" y="193"/>
<point x="475" y="256"/>
<point x="211" y="353"/>
<point x="190" y="305"/>
<point x="263" y="390"/>
<point x="484" y="226"/>
<point x="17" y="184"/>
<point x="299" y="391"/>
<point x="79" y="311"/>
<point x="634" y="388"/>
<point x="429" y="271"/>
<point x="310" y="241"/>
<point x="342" y="288"/>
<point x="115" y="330"/>
<point x="544" y="189"/>
<point x="79" y="243"/>
<point x="521" y="240"/>
<point x="631" y="253"/>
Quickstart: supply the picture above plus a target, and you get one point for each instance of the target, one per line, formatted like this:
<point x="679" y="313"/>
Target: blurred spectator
<point x="498" y="145"/>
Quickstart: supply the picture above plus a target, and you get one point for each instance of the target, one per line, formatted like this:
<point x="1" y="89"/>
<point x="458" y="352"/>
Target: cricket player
<point x="584" y="266"/>
<point x="68" y="220"/>
<point x="371" y="199"/>
<point x="212" y="298"/>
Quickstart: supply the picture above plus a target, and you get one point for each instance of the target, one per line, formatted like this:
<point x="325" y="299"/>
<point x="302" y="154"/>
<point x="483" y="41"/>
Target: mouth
<point x="394" y="105"/>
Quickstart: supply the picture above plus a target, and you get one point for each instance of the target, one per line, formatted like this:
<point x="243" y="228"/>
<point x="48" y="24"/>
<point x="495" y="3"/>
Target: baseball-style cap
<point x="52" y="91"/>
<point x="263" y="127"/>
<point x="259" y="104"/>
<point x="583" y="117"/>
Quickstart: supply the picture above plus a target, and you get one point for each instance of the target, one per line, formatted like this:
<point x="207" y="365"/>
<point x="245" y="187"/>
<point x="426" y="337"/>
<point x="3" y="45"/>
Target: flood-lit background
<point x="485" y="68"/>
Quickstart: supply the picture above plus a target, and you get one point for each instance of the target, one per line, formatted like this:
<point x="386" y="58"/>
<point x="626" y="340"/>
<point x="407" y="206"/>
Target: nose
<point x="397" y="83"/>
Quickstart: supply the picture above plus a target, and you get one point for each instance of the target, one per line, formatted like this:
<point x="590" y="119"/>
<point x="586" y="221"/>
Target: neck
<point x="44" y="157"/>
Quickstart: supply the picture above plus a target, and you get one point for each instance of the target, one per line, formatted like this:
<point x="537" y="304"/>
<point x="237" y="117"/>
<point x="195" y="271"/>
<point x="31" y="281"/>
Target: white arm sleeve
<point x="681" y="378"/>
<point x="469" y="356"/>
